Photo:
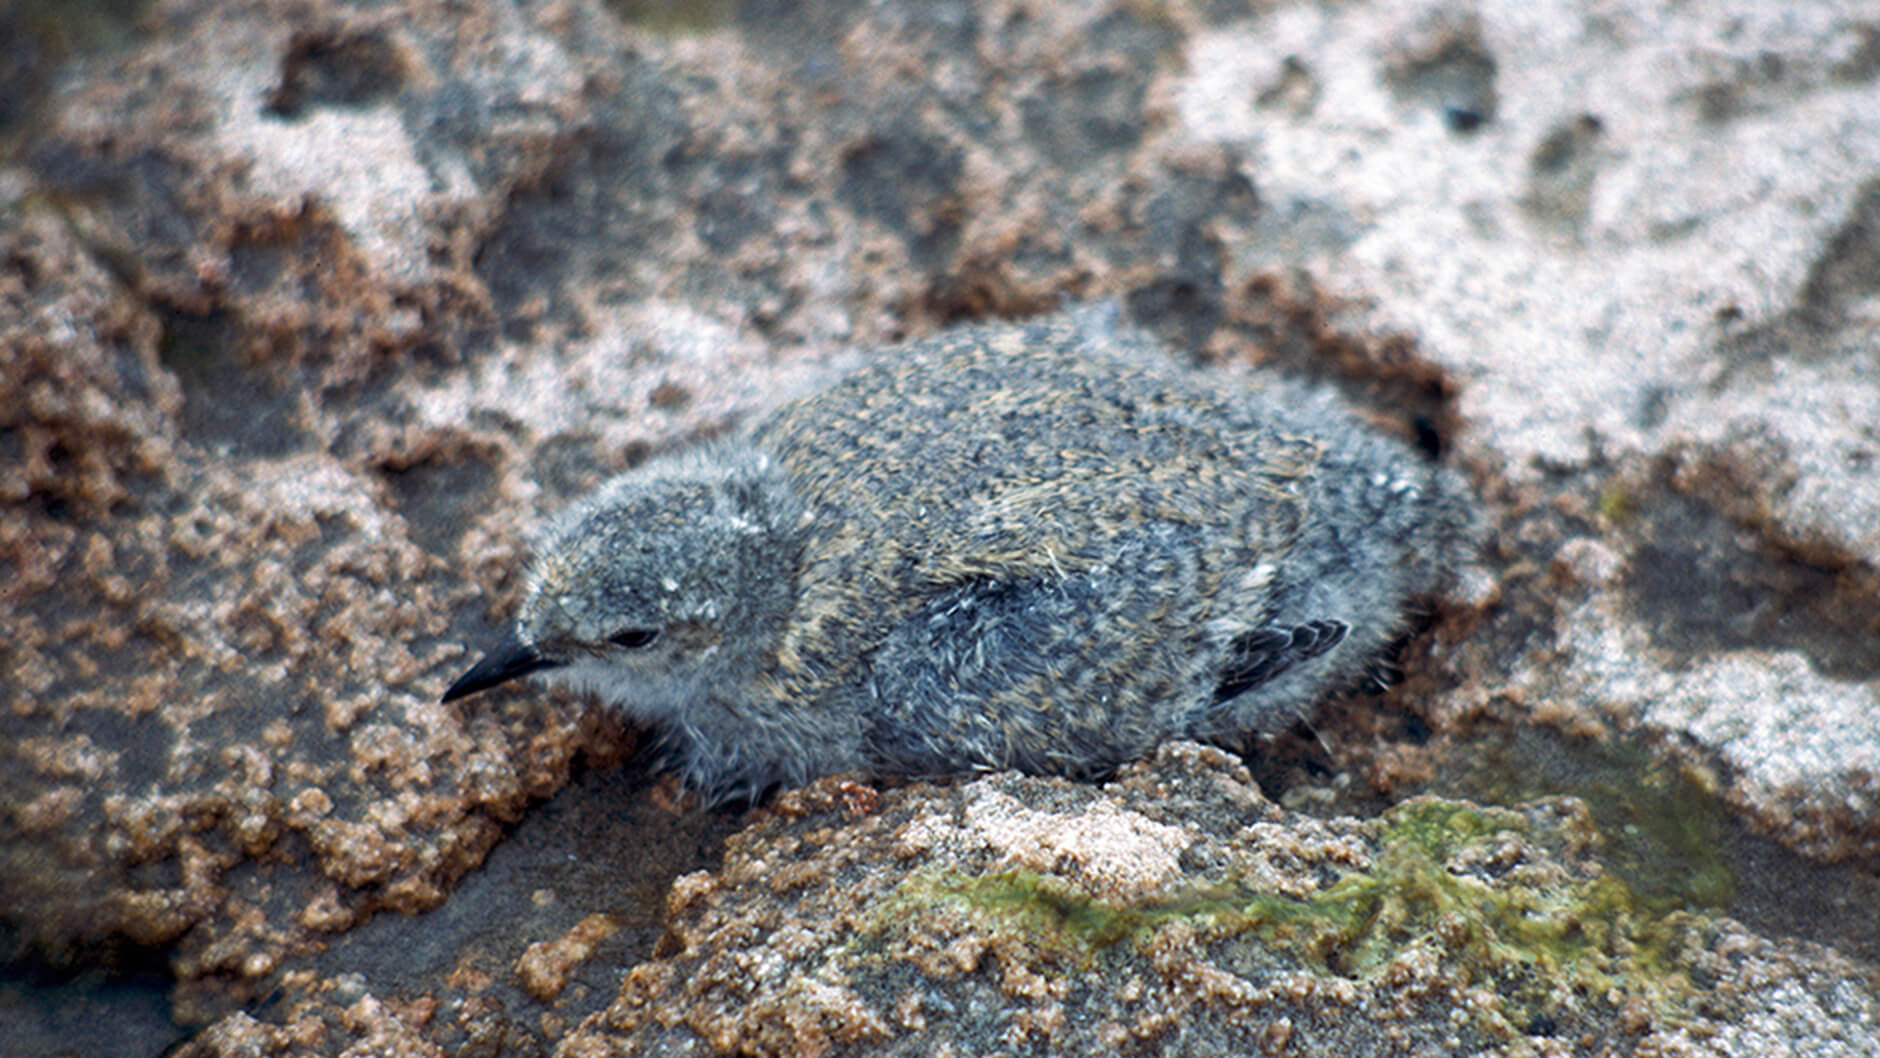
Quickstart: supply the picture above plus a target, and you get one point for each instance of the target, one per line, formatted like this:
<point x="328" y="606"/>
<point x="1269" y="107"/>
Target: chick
<point x="1040" y="546"/>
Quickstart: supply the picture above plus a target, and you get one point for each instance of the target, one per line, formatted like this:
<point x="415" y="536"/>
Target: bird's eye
<point x="634" y="638"/>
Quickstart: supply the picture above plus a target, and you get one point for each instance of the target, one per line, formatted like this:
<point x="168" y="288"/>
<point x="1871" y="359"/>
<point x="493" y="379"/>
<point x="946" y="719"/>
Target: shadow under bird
<point x="1041" y="546"/>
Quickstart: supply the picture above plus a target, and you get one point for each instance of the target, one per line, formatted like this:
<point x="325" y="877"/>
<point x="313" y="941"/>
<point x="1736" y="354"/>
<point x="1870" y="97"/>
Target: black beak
<point x="507" y="660"/>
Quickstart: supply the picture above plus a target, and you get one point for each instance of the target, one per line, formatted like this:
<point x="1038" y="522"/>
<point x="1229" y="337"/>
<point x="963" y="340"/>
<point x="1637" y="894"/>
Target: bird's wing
<point x="1061" y="671"/>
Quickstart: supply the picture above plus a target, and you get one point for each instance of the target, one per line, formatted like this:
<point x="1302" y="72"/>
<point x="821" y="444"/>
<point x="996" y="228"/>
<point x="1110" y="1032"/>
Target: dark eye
<point x="634" y="638"/>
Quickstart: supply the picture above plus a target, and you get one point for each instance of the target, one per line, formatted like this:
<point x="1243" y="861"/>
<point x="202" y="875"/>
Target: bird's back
<point x="1011" y="452"/>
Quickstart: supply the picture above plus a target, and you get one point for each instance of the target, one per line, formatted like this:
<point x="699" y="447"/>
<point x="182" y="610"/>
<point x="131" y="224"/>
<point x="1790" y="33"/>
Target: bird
<point x="1042" y="545"/>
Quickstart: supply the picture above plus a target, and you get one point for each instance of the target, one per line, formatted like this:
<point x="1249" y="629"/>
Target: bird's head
<point x="669" y="580"/>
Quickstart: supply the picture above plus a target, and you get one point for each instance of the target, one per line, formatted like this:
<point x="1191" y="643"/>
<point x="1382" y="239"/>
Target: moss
<point x="1662" y="824"/>
<point x="1535" y="935"/>
<point x="1617" y="504"/>
<point x="677" y="18"/>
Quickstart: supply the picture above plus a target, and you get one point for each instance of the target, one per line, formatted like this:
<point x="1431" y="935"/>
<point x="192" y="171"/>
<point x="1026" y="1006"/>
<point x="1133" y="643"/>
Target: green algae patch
<point x="1472" y="893"/>
<point x="1045" y="906"/>
<point x="1618" y="504"/>
<point x="1462" y="883"/>
<point x="1662" y="824"/>
<point x="677" y="18"/>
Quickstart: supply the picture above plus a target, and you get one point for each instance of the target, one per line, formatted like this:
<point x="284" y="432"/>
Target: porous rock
<point x="308" y="309"/>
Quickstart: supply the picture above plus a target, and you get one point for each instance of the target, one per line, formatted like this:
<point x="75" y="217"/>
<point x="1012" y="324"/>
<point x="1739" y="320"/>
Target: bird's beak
<point x="505" y="661"/>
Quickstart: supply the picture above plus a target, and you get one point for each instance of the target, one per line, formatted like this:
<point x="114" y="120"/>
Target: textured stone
<point x="272" y="431"/>
<point x="1437" y="927"/>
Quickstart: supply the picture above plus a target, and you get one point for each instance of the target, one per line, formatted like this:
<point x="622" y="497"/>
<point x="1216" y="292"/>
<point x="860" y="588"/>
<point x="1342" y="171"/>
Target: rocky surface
<point x="308" y="309"/>
<point x="1177" y="911"/>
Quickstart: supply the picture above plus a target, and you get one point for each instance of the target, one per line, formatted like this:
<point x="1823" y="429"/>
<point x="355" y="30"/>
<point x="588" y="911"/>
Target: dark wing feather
<point x="1262" y="655"/>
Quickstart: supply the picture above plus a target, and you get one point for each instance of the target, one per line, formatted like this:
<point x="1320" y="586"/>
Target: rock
<point x="1665" y="330"/>
<point x="1176" y="910"/>
<point x="306" y="307"/>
